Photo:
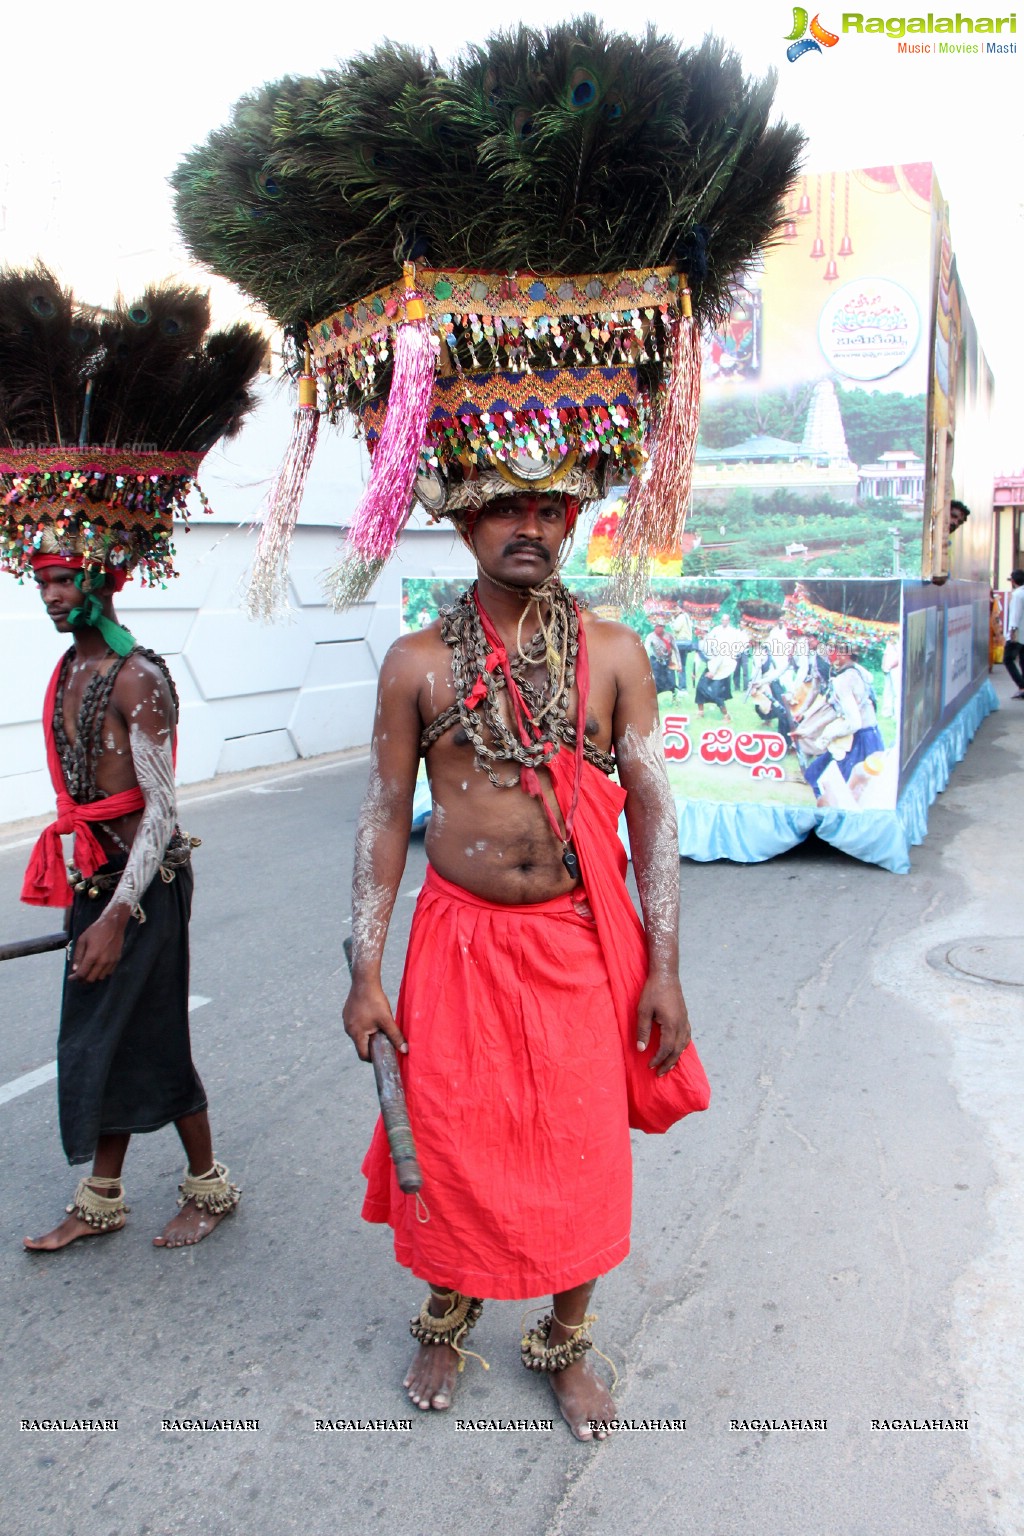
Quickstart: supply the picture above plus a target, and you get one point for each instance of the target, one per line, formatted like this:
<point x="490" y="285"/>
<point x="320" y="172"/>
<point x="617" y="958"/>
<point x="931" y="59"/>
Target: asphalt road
<point x="837" y="1239"/>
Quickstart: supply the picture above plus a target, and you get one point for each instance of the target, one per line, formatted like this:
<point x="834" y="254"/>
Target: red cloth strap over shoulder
<point x="655" y="1103"/>
<point x="46" y="881"/>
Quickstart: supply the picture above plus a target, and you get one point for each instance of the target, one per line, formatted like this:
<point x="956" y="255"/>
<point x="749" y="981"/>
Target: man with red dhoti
<point x="79" y="520"/>
<point x="538" y="1019"/>
<point x="501" y="268"/>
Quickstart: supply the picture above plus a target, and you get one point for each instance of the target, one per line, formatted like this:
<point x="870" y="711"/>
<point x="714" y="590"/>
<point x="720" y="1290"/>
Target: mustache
<point x="526" y="546"/>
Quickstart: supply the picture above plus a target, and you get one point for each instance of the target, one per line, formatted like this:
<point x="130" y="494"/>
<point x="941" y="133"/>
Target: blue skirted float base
<point x="746" y="834"/>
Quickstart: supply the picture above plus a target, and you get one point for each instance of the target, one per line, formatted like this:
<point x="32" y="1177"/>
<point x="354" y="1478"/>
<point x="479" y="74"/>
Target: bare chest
<point x="90" y="736"/>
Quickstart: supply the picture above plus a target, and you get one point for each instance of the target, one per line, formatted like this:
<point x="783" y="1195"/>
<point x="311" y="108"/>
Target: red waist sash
<point x="46" y="881"/>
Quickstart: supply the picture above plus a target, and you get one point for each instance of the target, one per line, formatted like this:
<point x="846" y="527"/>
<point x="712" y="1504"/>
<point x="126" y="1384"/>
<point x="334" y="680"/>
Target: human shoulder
<point x="415" y="671"/>
<point x="615" y="646"/>
<point x="143" y="681"/>
<point x="609" y="631"/>
<point x="410" y="653"/>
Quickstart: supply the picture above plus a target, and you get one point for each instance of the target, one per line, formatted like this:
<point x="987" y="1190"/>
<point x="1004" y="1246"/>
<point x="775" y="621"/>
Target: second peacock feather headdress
<point x="105" y="417"/>
<point x="501" y="269"/>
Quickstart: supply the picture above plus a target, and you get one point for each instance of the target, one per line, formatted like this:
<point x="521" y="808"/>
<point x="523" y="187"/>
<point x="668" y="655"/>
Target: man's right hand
<point x="97" y="950"/>
<point x="367" y="1012"/>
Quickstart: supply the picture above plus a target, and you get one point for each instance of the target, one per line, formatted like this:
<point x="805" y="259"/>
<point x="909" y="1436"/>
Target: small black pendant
<point x="571" y="863"/>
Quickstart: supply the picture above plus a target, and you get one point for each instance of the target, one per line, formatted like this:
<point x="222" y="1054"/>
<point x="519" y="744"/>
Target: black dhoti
<point x="124" y="1058"/>
<point x="714" y="690"/>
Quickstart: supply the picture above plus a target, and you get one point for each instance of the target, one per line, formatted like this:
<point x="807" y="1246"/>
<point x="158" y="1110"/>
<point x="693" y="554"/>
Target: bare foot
<point x="430" y="1380"/>
<point x="189" y="1227"/>
<point x="69" y="1231"/>
<point x="586" y="1403"/>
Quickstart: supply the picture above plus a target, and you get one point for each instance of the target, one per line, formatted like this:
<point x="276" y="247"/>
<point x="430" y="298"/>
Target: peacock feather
<point x="144" y="372"/>
<point x="568" y="149"/>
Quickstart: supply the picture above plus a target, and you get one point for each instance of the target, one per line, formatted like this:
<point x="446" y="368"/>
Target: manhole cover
<point x="1000" y="960"/>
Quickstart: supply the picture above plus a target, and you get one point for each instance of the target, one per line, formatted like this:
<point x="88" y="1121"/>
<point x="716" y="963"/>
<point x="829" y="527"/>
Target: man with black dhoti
<point x="78" y="521"/>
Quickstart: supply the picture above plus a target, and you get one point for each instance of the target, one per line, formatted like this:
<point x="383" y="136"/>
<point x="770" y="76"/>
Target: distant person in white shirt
<point x="722" y="646"/>
<point x="1014" y="649"/>
<point x="853" y="737"/>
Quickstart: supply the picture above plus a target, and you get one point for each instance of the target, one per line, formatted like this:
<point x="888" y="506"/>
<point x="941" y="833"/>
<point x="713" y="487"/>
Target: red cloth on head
<point x="116" y="576"/>
<point x="46" y="881"/>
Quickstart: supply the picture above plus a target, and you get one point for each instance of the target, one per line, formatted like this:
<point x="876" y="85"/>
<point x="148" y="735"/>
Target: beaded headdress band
<point x="500" y="269"/>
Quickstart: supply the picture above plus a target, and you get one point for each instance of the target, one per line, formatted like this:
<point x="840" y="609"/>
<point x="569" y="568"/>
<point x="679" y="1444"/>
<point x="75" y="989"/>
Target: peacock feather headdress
<point x="105" y="417"/>
<point x="502" y="268"/>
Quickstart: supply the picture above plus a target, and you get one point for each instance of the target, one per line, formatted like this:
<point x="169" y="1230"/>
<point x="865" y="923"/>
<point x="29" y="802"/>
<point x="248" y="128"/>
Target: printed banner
<point x="812" y="453"/>
<point x="770" y="692"/>
<point x="959" y="651"/>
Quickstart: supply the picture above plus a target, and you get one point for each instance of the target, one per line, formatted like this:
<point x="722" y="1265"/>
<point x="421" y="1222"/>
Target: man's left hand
<point x="662" y="1002"/>
<point x="98" y="949"/>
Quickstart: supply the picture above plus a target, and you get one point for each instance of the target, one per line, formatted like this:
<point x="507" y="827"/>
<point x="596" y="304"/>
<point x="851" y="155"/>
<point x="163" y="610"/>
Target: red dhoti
<point x="522" y="1078"/>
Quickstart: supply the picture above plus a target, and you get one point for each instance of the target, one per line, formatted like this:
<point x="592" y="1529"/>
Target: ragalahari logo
<point x="800" y="43"/>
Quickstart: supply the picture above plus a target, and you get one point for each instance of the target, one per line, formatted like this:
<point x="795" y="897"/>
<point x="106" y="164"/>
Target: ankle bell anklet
<point x="101" y="1212"/>
<point x="209" y="1191"/>
<point x="538" y="1355"/>
<point x="462" y="1315"/>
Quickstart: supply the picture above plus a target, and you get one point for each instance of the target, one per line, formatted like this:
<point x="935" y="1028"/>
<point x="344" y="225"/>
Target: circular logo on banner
<point x="869" y="328"/>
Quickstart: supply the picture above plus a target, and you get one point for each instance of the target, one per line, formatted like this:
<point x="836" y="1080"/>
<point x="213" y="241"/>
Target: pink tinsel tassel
<point x="384" y="509"/>
<point x="655" y="508"/>
<point x="266" y="597"/>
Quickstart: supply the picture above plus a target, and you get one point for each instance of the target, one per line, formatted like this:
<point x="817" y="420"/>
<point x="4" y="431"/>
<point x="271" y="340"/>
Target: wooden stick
<point x="393" y="1108"/>
<point x="18" y="948"/>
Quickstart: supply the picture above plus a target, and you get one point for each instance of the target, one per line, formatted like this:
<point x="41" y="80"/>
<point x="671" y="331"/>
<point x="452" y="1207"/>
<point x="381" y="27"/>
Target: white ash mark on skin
<point x="468" y="852"/>
<point x="371" y="900"/>
<point x="437" y="812"/>
<point x="153" y="761"/>
<point x="657" y="877"/>
<point x="481" y="846"/>
<point x="465" y="783"/>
